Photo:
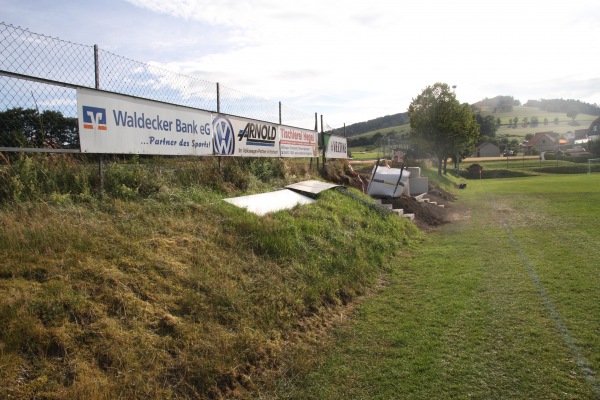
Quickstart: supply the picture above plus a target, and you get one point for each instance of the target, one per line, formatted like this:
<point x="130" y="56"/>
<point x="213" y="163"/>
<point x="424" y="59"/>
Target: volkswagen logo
<point x="223" y="139"/>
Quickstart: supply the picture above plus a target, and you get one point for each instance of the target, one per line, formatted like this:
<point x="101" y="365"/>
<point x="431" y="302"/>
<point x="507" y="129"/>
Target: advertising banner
<point x="234" y="136"/>
<point x="296" y="142"/>
<point x="112" y="123"/>
<point x="335" y="146"/>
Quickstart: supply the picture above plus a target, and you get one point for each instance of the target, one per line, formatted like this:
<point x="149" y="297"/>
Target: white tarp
<point x="117" y="124"/>
<point x="265" y="203"/>
<point x="387" y="182"/>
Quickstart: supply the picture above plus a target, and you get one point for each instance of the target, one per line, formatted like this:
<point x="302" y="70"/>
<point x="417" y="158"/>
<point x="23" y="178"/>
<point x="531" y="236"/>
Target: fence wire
<point x="122" y="75"/>
<point x="38" y="76"/>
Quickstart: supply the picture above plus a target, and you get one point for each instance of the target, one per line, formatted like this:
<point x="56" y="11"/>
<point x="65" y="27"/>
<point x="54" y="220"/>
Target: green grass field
<point x="500" y="304"/>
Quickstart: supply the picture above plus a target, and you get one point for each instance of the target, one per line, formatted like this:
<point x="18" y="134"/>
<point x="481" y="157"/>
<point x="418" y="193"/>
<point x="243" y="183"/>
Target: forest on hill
<point x="374" y="124"/>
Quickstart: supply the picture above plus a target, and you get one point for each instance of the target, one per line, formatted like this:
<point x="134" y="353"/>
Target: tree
<point x="534" y="121"/>
<point x="572" y="113"/>
<point x="487" y="124"/>
<point x="27" y="128"/>
<point x="441" y="124"/>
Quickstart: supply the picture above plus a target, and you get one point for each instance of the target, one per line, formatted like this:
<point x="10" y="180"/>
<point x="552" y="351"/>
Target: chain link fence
<point x="39" y="76"/>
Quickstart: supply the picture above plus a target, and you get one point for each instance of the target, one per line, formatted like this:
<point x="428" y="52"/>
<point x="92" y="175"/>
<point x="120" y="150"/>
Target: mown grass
<point x="500" y="304"/>
<point x="159" y="289"/>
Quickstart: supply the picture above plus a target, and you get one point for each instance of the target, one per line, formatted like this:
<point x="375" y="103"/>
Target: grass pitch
<point x="503" y="303"/>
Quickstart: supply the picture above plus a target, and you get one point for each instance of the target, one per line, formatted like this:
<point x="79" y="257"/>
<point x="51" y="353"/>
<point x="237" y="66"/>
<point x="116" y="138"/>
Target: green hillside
<point x="557" y="122"/>
<point x="565" y="124"/>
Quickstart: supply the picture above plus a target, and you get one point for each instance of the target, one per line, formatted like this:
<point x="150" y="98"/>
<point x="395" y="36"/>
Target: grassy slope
<point x="480" y="311"/>
<point x="176" y="294"/>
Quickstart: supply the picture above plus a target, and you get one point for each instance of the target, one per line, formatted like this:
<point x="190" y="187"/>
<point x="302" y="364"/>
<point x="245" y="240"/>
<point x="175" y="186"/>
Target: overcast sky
<point x="348" y="60"/>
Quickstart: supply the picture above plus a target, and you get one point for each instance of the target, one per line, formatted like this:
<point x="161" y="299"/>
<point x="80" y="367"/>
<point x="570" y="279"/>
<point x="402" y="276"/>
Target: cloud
<point x="352" y="60"/>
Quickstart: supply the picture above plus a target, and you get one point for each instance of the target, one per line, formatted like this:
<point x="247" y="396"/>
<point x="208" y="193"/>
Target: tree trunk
<point x="445" y="165"/>
<point x="439" y="165"/>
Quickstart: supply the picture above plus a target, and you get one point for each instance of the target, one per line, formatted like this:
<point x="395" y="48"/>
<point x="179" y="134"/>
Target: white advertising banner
<point x="335" y="146"/>
<point x="296" y="142"/>
<point x="234" y="136"/>
<point x="112" y="123"/>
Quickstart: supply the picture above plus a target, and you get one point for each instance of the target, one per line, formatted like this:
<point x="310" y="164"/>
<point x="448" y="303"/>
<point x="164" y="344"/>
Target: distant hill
<point x="503" y="104"/>
<point x="374" y="124"/>
<point x="551" y="114"/>
<point x="564" y="106"/>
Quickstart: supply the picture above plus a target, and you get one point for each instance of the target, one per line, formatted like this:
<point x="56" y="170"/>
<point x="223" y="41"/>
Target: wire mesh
<point x="32" y="113"/>
<point x="295" y="118"/>
<point x="27" y="53"/>
<point x="238" y="103"/>
<point x="122" y="75"/>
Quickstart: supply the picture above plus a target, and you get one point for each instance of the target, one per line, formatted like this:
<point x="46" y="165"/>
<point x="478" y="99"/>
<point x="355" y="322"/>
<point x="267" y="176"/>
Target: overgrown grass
<point x="500" y="304"/>
<point x="160" y="289"/>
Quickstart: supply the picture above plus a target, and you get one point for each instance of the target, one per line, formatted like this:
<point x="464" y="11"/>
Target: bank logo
<point x="224" y="138"/>
<point x="94" y="118"/>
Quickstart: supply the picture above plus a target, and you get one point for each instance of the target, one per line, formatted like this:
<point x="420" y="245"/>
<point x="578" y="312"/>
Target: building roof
<point x="591" y="131"/>
<point x="484" y="144"/>
<point x="581" y="133"/>
<point x="538" y="136"/>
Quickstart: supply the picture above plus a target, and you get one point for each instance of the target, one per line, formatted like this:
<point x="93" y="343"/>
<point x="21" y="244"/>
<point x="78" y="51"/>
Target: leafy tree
<point x="534" y="121"/>
<point x="528" y="136"/>
<point x="572" y="113"/>
<point x="441" y="125"/>
<point x="525" y="121"/>
<point x="545" y="121"/>
<point x="556" y="121"/>
<point x="21" y="127"/>
<point x="487" y="124"/>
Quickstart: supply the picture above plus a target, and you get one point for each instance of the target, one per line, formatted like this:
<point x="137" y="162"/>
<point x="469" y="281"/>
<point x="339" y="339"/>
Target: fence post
<point x="318" y="136"/>
<point x="97" y="86"/>
<point x="324" y="147"/>
<point x="219" y="112"/>
<point x="96" y="67"/>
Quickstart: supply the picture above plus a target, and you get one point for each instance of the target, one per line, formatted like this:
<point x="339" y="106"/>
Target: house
<point x="542" y="141"/>
<point x="594" y="130"/>
<point x="581" y="136"/>
<point x="487" y="149"/>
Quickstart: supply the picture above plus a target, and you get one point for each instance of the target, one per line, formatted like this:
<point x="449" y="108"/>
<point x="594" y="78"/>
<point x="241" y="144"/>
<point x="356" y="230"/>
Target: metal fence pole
<point x="318" y="136"/>
<point x="218" y="112"/>
<point x="97" y="86"/>
<point x="324" y="147"/>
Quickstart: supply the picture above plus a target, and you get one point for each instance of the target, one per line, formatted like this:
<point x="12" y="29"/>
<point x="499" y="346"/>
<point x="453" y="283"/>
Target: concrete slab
<point x="311" y="187"/>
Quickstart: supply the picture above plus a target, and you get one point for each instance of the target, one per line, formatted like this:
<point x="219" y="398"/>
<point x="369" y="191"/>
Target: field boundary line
<point x="582" y="363"/>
